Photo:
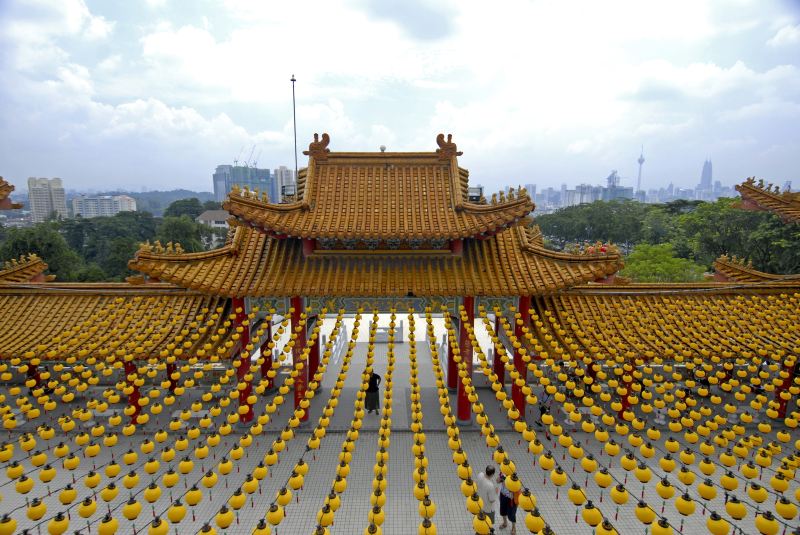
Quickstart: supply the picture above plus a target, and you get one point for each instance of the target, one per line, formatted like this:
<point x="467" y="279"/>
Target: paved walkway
<point x="401" y="507"/>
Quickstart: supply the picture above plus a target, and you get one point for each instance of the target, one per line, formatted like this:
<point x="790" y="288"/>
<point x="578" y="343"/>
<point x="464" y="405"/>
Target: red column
<point x="266" y="354"/>
<point x="783" y="404"/>
<point x="497" y="362"/>
<point x="463" y="405"/>
<point x="301" y="381"/>
<point x="452" y="367"/>
<point x="172" y="368"/>
<point x="33" y="373"/>
<point x="313" y="358"/>
<point x="239" y="309"/>
<point x="133" y="397"/>
<point x="516" y="391"/>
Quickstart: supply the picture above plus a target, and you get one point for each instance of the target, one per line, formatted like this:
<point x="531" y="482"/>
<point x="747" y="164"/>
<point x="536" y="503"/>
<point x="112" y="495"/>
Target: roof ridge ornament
<point x="447" y="149"/>
<point x="318" y="149"/>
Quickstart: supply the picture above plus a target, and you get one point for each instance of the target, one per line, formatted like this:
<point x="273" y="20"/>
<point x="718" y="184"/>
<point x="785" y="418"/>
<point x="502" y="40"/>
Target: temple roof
<point x="381" y="196"/>
<point x="5" y="191"/>
<point x="757" y="196"/>
<point x="512" y="262"/>
<point x="737" y="270"/>
<point x="27" y="269"/>
<point x="90" y="319"/>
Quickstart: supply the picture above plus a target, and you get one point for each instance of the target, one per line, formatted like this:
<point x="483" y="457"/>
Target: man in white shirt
<point x="487" y="491"/>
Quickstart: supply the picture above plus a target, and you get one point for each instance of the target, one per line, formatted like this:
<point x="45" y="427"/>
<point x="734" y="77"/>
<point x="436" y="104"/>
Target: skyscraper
<point x="706" y="176"/>
<point x="227" y="176"/>
<point x="46" y="197"/>
<point x="284" y="182"/>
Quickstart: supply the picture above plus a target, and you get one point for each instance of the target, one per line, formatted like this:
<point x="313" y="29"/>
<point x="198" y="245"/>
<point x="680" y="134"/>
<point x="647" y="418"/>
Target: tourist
<point x="544" y="406"/>
<point x="487" y="491"/>
<point x="508" y="505"/>
<point x="373" y="401"/>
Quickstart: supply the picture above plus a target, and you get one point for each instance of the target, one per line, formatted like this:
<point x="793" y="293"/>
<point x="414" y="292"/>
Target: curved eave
<point x="785" y="205"/>
<point x="736" y="272"/>
<point x="25" y="272"/>
<point x="484" y="219"/>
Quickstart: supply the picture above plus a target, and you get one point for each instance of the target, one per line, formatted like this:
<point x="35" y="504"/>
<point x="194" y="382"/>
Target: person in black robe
<point x="372" y="400"/>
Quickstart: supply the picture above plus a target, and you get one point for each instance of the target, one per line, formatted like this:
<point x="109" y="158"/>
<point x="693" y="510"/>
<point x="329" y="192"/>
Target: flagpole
<point x="294" y="120"/>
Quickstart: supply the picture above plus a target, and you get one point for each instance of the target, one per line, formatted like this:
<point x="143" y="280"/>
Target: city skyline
<point x="146" y="93"/>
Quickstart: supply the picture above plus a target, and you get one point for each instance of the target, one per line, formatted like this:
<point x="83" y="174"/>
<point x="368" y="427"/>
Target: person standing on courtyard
<point x="487" y="491"/>
<point x="372" y="400"/>
<point x="508" y="505"/>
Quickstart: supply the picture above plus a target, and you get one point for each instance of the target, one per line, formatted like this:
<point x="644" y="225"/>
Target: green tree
<point x="180" y="230"/>
<point x="658" y="226"/>
<point x="44" y="240"/>
<point x="658" y="263"/>
<point x="185" y="207"/>
<point x="212" y="205"/>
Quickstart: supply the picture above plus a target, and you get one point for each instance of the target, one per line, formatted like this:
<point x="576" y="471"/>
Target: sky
<point x="155" y="94"/>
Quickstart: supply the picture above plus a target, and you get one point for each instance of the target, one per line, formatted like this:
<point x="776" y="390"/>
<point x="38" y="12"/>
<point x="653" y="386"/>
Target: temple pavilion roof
<point x="757" y="196"/>
<point x="381" y="196"/>
<point x="90" y="319"/>
<point x="735" y="269"/>
<point x="29" y="268"/>
<point x="512" y="262"/>
<point x="5" y="201"/>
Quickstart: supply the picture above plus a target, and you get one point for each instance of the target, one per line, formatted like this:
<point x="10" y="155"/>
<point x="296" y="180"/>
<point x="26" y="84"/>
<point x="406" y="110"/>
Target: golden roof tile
<point x="757" y="196"/>
<point x="45" y="319"/>
<point x="512" y="262"/>
<point x="380" y="196"/>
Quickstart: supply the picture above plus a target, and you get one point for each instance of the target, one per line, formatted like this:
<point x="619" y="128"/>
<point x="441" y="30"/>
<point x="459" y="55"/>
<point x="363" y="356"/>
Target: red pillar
<point x="133" y="397"/>
<point x="33" y="373"/>
<point x="516" y="391"/>
<point x="239" y="309"/>
<point x="497" y="363"/>
<point x="463" y="405"/>
<point x="301" y="381"/>
<point x="783" y="404"/>
<point x="313" y="357"/>
<point x="452" y="367"/>
<point x="266" y="355"/>
<point x="172" y="368"/>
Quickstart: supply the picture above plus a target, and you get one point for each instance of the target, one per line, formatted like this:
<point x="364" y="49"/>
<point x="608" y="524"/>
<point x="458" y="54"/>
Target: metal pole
<point x="294" y="119"/>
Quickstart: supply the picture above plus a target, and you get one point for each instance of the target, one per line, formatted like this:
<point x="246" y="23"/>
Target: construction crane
<point x="236" y="160"/>
<point x="255" y="162"/>
<point x="251" y="156"/>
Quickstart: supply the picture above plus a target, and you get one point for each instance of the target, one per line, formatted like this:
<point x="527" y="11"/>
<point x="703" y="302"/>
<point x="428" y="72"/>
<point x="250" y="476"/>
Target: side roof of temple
<point x="28" y="268"/>
<point x="5" y="191"/>
<point x="381" y="196"/>
<point x="733" y="269"/>
<point x="757" y="196"/>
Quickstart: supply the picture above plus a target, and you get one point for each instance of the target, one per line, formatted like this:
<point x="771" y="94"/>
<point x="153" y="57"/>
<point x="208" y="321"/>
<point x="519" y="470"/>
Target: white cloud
<point x="523" y="86"/>
<point x="787" y="36"/>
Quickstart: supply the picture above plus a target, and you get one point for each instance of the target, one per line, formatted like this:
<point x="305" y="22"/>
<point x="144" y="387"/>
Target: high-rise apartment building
<point x="46" y="198"/>
<point x="102" y="206"/>
<point x="286" y="182"/>
<point x="227" y="176"/>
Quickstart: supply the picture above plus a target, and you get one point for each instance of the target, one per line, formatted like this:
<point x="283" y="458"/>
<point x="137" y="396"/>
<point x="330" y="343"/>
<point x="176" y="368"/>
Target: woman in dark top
<point x="372" y="400"/>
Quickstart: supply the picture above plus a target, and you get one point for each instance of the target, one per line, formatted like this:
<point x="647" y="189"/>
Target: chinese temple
<point x="609" y="407"/>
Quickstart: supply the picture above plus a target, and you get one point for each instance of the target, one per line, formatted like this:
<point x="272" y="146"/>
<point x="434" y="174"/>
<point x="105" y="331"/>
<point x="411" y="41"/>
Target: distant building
<point x="216" y="219"/>
<point x="46" y="197"/>
<point x="286" y="183"/>
<point x="102" y="206"/>
<point x="227" y="176"/>
<point x="705" y="191"/>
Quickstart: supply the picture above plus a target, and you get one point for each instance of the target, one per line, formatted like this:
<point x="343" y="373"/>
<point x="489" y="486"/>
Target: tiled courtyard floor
<point x="402" y="517"/>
